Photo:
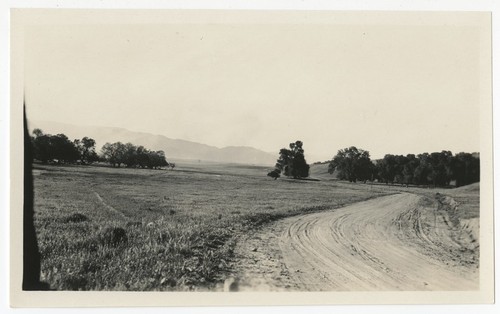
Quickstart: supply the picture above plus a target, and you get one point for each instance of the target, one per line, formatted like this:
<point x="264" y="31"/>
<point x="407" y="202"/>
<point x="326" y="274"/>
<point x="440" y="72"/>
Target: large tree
<point x="409" y="167"/>
<point x="86" y="149"/>
<point x="352" y="164"/>
<point x="41" y="146"/>
<point x="291" y="162"/>
<point x="114" y="153"/>
<point x="48" y="147"/>
<point x="441" y="168"/>
<point x="465" y="168"/>
<point x="387" y="168"/>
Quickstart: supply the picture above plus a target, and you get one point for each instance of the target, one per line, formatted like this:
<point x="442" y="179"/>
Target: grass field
<point x="105" y="228"/>
<point x="133" y="229"/>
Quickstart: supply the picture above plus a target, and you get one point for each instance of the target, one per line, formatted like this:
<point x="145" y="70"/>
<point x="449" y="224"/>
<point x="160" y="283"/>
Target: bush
<point x="113" y="236"/>
<point x="274" y="174"/>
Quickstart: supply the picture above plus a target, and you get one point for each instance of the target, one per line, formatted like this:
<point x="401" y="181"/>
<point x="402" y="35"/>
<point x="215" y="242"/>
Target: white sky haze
<point x="384" y="87"/>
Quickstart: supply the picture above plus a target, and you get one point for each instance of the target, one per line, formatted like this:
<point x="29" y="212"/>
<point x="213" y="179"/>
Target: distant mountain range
<point x="174" y="148"/>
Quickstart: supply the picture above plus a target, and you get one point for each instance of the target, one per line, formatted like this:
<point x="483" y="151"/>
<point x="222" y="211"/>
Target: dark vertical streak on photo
<point x="31" y="254"/>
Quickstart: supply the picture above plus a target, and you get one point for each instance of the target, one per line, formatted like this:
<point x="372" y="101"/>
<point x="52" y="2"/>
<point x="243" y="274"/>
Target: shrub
<point x="113" y="236"/>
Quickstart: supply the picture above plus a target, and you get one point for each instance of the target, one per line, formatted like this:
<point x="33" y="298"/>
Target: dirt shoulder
<point x="396" y="242"/>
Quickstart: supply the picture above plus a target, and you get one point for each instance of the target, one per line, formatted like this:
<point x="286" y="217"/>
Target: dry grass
<point x="468" y="200"/>
<point x="134" y="229"/>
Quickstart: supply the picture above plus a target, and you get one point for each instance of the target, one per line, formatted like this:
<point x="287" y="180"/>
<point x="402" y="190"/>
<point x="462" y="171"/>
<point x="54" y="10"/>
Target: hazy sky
<point x="386" y="89"/>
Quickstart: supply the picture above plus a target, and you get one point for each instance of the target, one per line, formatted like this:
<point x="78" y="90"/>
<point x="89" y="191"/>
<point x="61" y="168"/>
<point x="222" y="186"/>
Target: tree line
<point x="353" y="164"/>
<point x="47" y="147"/>
<point x="58" y="148"/>
<point x="437" y="169"/>
<point x="130" y="155"/>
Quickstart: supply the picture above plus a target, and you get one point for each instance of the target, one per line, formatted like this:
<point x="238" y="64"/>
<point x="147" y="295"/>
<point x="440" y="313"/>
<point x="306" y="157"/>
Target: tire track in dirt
<point x="373" y="245"/>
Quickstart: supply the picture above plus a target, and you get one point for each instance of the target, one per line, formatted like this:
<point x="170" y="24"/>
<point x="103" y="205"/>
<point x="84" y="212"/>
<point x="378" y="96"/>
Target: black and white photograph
<point x="229" y="152"/>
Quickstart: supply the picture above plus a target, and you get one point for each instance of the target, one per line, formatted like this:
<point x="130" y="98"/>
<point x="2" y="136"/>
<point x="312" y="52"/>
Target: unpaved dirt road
<point x="395" y="242"/>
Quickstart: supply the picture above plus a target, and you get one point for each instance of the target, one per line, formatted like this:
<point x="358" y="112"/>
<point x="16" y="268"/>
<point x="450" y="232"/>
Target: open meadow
<point x="102" y="228"/>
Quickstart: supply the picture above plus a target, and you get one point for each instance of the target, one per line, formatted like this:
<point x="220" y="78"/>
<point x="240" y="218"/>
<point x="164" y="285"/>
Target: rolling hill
<point x="320" y="171"/>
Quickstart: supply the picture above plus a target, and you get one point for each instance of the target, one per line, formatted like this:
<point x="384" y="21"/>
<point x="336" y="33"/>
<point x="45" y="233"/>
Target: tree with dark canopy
<point x="465" y="168"/>
<point x="86" y="150"/>
<point x="58" y="147"/>
<point x="441" y="173"/>
<point x="291" y="162"/>
<point x="352" y="164"/>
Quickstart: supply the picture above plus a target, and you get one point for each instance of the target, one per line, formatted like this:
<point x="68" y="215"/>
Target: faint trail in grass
<point x="109" y="207"/>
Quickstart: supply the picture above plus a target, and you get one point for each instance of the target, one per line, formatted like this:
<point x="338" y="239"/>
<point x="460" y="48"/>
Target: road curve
<point x="377" y="245"/>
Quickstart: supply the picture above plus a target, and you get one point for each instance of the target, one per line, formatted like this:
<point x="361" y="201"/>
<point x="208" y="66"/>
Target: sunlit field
<point x="103" y="228"/>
